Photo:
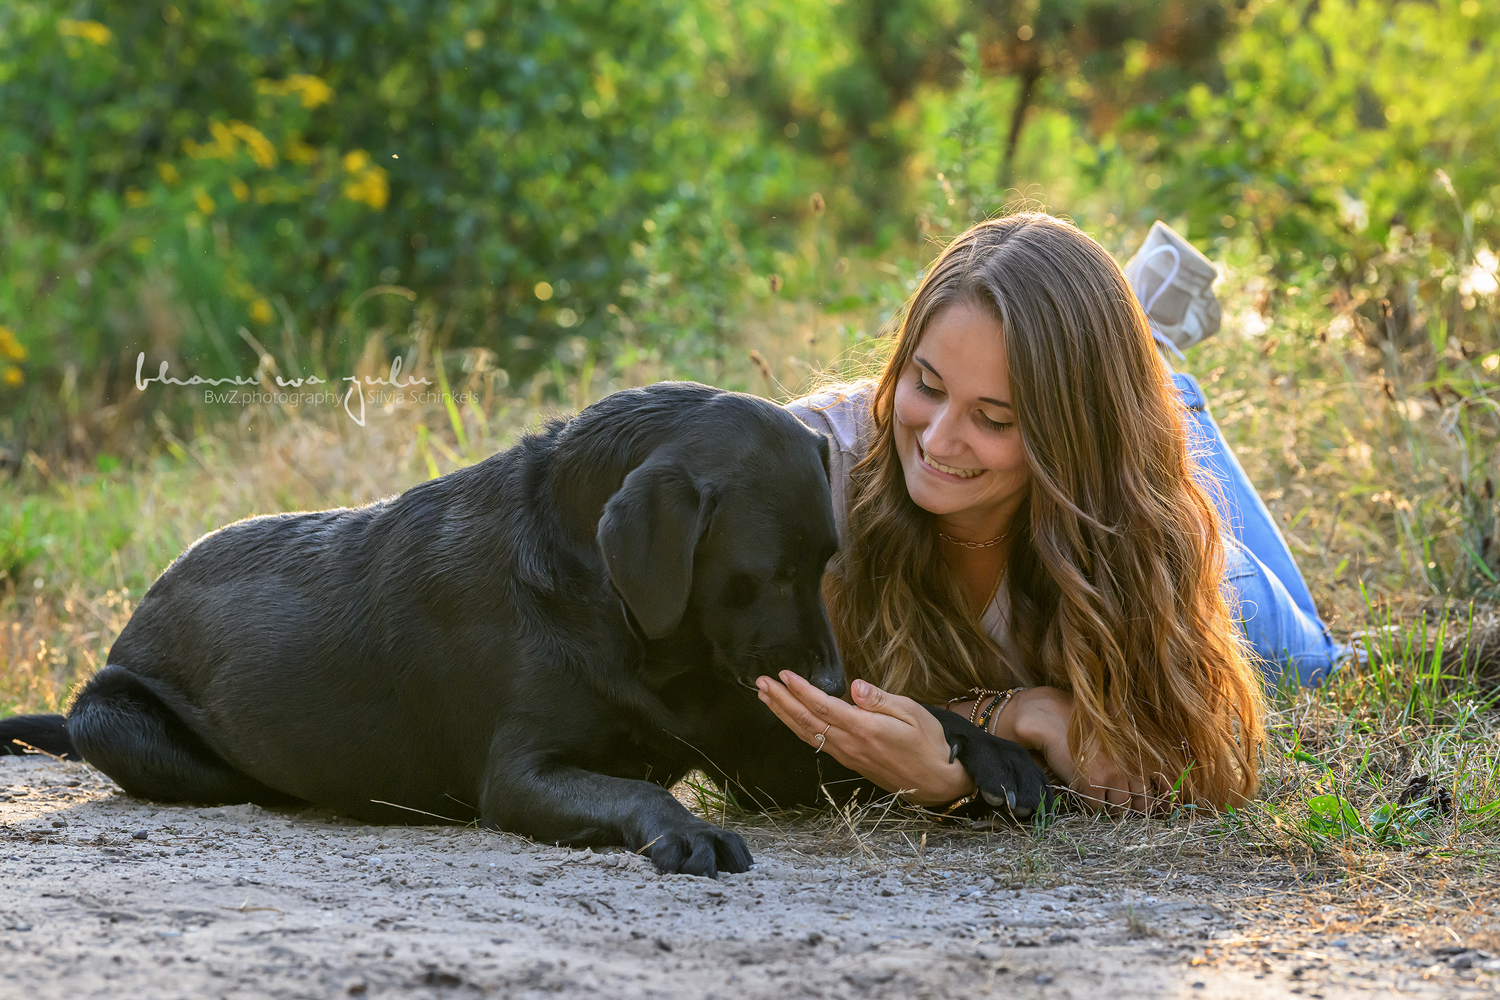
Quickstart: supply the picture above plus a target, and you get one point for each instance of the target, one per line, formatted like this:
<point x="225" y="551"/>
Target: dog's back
<point x="395" y="619"/>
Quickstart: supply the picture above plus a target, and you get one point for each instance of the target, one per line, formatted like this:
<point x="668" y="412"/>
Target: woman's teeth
<point x="960" y="473"/>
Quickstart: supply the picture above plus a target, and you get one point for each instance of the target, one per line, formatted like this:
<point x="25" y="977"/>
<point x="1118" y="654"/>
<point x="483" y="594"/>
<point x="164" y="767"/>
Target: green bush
<point x="1344" y="128"/>
<point x="171" y="174"/>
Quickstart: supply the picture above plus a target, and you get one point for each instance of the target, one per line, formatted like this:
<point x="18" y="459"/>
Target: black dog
<point x="543" y="641"/>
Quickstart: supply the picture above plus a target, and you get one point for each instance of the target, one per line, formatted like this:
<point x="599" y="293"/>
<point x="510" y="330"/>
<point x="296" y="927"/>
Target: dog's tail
<point x="24" y="734"/>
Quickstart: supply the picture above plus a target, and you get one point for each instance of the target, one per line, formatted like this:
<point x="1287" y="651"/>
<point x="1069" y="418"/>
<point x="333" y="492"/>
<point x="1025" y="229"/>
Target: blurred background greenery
<point x="627" y="176"/>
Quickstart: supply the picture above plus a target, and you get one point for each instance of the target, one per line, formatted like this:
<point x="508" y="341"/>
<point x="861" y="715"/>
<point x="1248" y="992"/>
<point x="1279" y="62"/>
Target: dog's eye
<point x="741" y="591"/>
<point x="785" y="581"/>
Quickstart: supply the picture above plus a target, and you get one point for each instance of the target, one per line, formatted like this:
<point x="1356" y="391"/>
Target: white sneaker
<point x="1174" y="283"/>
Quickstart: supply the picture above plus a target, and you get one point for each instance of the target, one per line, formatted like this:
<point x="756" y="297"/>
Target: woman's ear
<point x="647" y="534"/>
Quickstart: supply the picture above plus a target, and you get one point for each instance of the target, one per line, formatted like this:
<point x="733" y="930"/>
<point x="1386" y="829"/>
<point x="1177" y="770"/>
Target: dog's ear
<point x="648" y="533"/>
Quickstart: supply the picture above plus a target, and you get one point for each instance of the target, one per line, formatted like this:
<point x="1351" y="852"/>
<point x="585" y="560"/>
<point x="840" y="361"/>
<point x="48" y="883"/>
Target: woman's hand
<point x="1037" y="719"/>
<point x="891" y="740"/>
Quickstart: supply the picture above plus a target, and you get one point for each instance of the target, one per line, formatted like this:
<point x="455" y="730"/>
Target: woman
<point x="1025" y="536"/>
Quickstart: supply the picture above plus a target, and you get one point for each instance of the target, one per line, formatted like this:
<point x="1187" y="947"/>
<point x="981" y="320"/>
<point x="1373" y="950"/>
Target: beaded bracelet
<point x="977" y="717"/>
<point x="996" y="707"/>
<point x="976" y="693"/>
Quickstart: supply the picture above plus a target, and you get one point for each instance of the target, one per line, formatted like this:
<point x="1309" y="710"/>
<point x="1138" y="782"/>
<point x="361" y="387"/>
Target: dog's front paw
<point x="1005" y="775"/>
<point x="1002" y="770"/>
<point x="700" y="850"/>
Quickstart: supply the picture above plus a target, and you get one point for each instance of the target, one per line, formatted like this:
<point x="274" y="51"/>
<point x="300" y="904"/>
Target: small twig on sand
<point x="424" y="812"/>
<point x="38" y="750"/>
<point x="245" y="907"/>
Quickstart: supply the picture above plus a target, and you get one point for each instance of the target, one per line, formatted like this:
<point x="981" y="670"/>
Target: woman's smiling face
<point x="955" y="428"/>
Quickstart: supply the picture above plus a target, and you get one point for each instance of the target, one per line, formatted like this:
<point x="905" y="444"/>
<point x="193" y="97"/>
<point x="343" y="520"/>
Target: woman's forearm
<point x="1002" y="721"/>
<point x="1036" y="718"/>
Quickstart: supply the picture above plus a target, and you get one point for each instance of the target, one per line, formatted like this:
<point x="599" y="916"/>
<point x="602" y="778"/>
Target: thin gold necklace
<point x="981" y="545"/>
<point x="973" y="545"/>
<point x="998" y="580"/>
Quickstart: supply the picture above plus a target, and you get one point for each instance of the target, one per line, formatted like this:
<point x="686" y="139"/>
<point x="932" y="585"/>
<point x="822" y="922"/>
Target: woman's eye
<point x="994" y="425"/>
<point x="927" y="390"/>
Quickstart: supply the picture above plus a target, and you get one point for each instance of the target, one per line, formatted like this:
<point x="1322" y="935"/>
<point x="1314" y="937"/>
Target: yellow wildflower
<point x="310" y="90"/>
<point x="367" y="183"/>
<point x="239" y="189"/>
<point x="369" y="187"/>
<point x="226" y="144"/>
<point x="260" y="311"/>
<point x="93" y="31"/>
<point x="261" y="149"/>
<point x="168" y="173"/>
<point x="12" y="375"/>
<point x="203" y="201"/>
<point x="10" y="346"/>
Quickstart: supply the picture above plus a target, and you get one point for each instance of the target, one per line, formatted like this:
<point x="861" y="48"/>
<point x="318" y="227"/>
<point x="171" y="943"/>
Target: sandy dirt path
<point x="102" y="895"/>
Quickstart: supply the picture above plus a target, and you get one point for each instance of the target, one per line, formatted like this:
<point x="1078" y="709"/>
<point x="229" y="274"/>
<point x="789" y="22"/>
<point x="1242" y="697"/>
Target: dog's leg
<point x="567" y="805"/>
<point x="123" y="728"/>
<point x="1003" y="771"/>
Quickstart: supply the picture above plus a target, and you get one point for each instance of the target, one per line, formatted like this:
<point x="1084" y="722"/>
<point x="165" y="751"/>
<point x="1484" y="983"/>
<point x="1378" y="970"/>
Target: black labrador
<point x="544" y="642"/>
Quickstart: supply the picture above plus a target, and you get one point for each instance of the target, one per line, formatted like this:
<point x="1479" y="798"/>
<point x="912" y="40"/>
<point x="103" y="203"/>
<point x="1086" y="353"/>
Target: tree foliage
<point x="264" y="163"/>
<point x="559" y="182"/>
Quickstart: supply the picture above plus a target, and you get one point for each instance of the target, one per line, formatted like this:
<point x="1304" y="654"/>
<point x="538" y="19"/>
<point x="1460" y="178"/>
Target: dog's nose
<point x="828" y="676"/>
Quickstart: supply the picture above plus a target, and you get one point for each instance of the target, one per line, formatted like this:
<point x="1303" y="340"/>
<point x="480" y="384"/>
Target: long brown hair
<point x="1116" y="560"/>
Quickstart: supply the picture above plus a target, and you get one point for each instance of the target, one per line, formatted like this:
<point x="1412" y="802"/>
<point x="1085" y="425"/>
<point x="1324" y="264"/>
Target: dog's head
<point x="727" y="529"/>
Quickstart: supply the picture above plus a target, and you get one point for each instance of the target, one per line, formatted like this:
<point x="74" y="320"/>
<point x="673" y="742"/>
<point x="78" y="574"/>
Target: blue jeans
<point x="1261" y="582"/>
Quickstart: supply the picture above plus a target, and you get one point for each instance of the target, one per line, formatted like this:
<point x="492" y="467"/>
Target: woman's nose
<point x="942" y="438"/>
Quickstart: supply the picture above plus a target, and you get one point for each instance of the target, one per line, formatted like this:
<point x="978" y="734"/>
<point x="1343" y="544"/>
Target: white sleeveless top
<point x="844" y="416"/>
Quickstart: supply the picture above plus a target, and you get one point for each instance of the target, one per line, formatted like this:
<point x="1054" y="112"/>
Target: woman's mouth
<point x="928" y="461"/>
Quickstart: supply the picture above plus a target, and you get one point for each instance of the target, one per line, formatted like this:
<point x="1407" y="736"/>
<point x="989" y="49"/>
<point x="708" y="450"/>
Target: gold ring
<point x="822" y="738"/>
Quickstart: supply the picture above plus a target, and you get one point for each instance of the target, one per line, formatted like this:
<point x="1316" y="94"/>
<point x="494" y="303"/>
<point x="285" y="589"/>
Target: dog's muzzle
<point x="828" y="676"/>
